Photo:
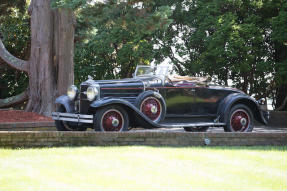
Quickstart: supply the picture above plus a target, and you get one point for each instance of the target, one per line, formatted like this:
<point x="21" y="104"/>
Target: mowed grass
<point x="144" y="168"/>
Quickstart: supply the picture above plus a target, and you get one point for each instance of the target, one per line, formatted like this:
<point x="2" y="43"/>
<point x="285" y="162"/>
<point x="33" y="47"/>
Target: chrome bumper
<point x="72" y="117"/>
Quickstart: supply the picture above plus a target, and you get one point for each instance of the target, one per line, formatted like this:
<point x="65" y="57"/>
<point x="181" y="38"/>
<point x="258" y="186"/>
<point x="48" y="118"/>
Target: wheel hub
<point x="243" y="121"/>
<point x="153" y="109"/>
<point x="115" y="122"/>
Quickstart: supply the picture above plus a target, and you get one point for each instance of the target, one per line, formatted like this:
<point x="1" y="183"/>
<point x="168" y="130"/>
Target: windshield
<point x="143" y="70"/>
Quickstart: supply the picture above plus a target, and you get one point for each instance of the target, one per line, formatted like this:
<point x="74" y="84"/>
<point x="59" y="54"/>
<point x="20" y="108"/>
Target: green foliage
<point x="243" y="41"/>
<point x="279" y="36"/>
<point x="15" y="34"/>
<point x="224" y="39"/>
<point x="7" y="7"/>
<point x="115" y="36"/>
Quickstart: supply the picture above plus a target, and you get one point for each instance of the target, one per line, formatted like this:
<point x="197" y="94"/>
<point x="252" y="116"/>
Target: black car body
<point x="151" y="99"/>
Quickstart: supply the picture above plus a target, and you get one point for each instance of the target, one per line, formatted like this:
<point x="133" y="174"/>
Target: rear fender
<point x="239" y="98"/>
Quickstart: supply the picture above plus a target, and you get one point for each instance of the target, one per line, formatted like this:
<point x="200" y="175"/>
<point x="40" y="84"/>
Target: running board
<point x="199" y="124"/>
<point x="89" y="119"/>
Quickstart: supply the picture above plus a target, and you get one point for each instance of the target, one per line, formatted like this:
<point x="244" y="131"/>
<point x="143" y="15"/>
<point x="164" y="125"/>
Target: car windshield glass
<point x="151" y="70"/>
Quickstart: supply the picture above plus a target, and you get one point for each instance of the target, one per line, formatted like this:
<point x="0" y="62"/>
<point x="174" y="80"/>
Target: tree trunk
<point x="50" y="67"/>
<point x="41" y="70"/>
<point x="281" y="98"/>
<point x="51" y="60"/>
<point x="64" y="22"/>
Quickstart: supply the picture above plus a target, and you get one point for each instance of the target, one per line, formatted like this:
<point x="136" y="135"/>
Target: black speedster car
<point x="152" y="99"/>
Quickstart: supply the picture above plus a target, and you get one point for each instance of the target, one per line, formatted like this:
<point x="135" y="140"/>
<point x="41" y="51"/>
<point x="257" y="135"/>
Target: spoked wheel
<point x="111" y="118"/>
<point x="240" y="119"/>
<point x="65" y="125"/>
<point x="152" y="108"/>
<point x="196" y="129"/>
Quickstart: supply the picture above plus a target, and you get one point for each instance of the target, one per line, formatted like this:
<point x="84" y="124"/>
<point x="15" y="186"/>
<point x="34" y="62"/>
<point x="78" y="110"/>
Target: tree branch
<point x="177" y="63"/>
<point x="14" y="100"/>
<point x="282" y="105"/>
<point x="12" y="60"/>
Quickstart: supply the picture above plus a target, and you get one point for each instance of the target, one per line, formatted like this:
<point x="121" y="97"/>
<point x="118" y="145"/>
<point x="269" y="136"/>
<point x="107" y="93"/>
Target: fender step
<point x="198" y="124"/>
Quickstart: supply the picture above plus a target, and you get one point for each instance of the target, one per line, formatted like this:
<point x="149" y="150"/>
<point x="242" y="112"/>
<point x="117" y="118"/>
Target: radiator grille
<point x="84" y="102"/>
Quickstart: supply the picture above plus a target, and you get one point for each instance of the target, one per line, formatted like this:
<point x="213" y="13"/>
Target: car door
<point x="207" y="99"/>
<point x="180" y="99"/>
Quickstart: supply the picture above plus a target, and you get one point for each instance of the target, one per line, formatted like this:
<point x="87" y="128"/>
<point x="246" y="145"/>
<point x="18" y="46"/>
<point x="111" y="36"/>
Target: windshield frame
<point x="160" y="71"/>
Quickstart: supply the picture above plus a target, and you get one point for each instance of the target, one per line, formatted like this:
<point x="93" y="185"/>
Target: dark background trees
<point x="238" y="43"/>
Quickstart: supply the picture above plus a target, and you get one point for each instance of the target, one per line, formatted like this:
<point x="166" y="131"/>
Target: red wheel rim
<point x="112" y="120"/>
<point x="151" y="107"/>
<point x="239" y="120"/>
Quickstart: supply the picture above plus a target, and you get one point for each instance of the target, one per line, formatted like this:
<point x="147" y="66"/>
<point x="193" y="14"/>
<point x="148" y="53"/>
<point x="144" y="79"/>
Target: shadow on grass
<point x="246" y="148"/>
<point x="259" y="148"/>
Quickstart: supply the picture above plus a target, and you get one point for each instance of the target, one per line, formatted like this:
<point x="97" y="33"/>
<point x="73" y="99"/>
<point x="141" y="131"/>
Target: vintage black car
<point x="153" y="99"/>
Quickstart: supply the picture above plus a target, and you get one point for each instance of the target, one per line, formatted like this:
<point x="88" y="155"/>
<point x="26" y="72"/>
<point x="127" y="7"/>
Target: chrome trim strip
<point x="72" y="117"/>
<point x="143" y="85"/>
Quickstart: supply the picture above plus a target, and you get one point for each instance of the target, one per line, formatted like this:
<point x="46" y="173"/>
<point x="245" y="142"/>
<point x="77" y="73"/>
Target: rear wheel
<point x="65" y="125"/>
<point x="111" y="118"/>
<point x="196" y="129"/>
<point x="240" y="119"/>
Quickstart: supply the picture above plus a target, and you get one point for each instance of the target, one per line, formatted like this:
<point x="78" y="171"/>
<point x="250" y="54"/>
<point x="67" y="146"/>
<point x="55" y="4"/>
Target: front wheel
<point x="65" y="125"/>
<point x="240" y="119"/>
<point x="196" y="129"/>
<point x="111" y="118"/>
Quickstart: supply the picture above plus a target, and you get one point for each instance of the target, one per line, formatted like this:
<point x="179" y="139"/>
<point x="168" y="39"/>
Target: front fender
<point x="125" y="104"/>
<point x="239" y="98"/>
<point x="66" y="102"/>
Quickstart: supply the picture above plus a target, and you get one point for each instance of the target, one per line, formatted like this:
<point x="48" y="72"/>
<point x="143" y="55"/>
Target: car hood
<point x="136" y="82"/>
<point x="126" y="80"/>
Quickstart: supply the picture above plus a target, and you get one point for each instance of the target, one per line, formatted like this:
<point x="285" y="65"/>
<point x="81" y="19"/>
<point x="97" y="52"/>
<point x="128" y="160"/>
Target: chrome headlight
<point x="72" y="92"/>
<point x="92" y="92"/>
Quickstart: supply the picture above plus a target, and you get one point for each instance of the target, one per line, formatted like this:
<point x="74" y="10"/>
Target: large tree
<point x="50" y="65"/>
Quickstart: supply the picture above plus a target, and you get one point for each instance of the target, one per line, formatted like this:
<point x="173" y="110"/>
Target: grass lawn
<point x="144" y="168"/>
